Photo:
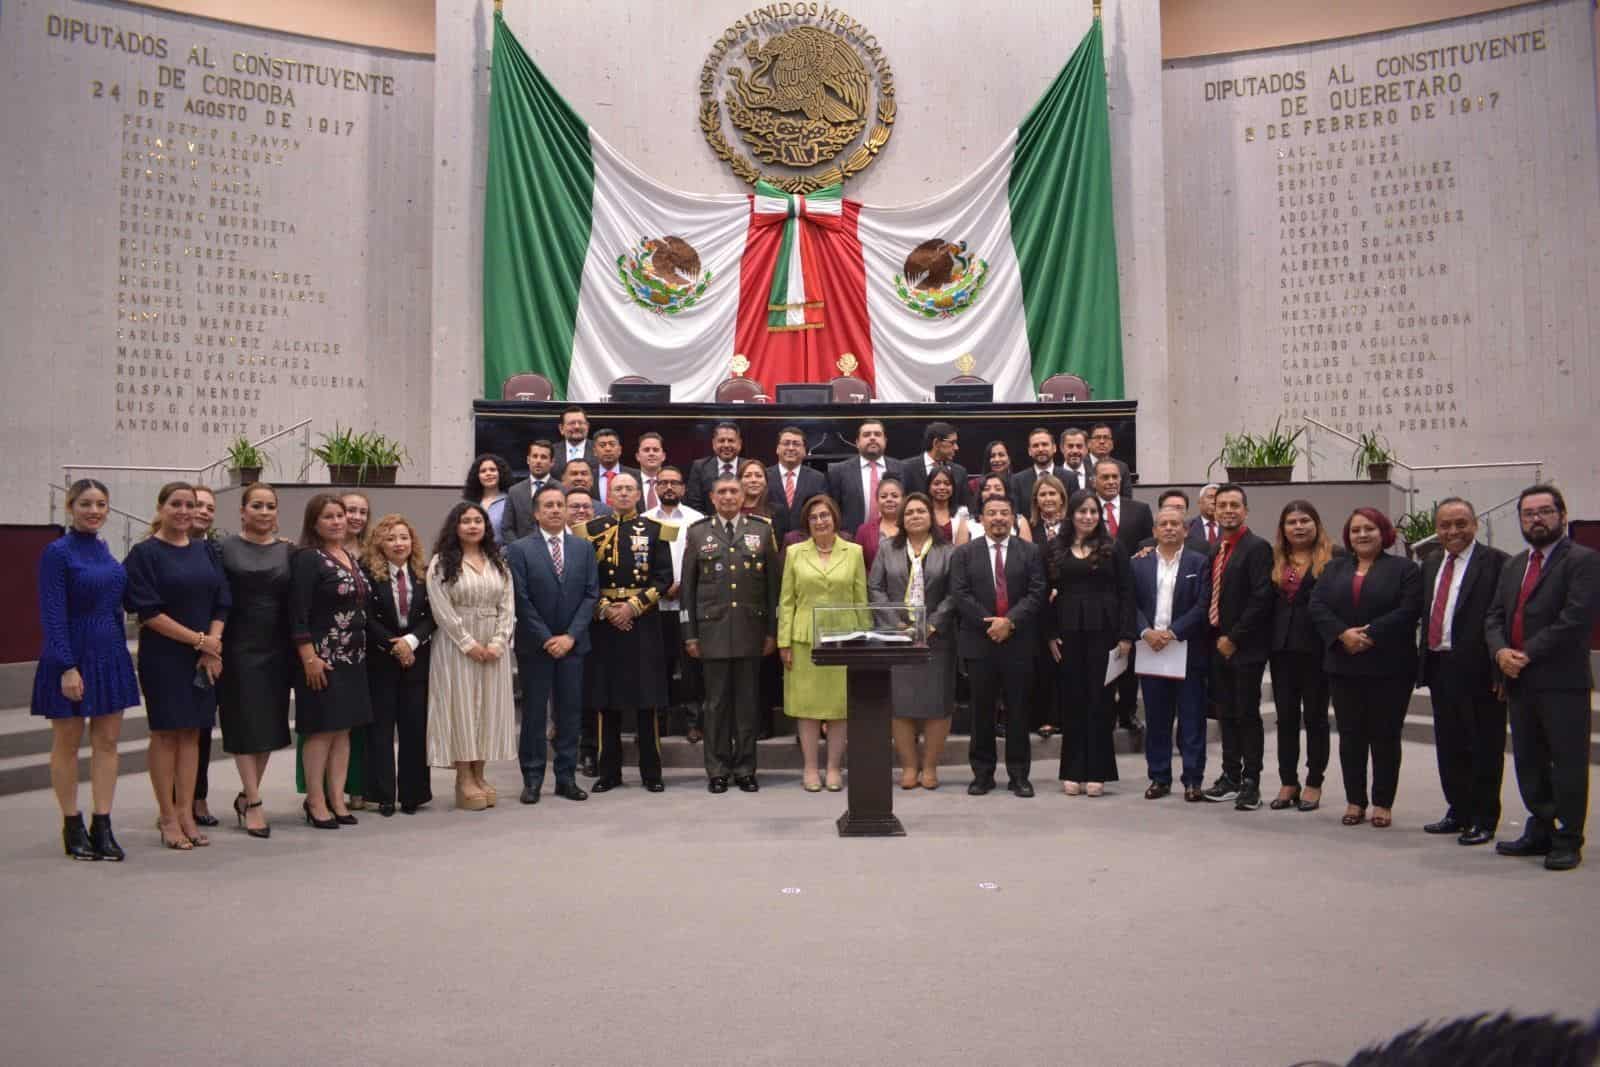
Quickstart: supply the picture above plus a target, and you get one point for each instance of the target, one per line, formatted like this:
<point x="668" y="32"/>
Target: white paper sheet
<point x="1171" y="662"/>
<point x="1116" y="665"/>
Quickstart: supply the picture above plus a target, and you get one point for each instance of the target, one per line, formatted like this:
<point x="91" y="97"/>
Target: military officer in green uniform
<point x="626" y="669"/>
<point x="731" y="577"/>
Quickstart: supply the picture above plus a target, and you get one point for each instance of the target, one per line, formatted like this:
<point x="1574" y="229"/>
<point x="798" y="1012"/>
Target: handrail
<point x="1537" y="464"/>
<point x="1484" y="514"/>
<point x="66" y="468"/>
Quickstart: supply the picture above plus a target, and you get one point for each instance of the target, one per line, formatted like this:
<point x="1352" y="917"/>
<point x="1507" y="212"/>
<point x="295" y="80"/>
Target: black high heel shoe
<point x="320" y="824"/>
<point x="207" y="820"/>
<point x="1285" y="803"/>
<point x="104" y="842"/>
<point x="239" y="808"/>
<point x="75" y="839"/>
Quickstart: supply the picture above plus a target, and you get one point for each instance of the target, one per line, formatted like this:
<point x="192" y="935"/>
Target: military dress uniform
<point x="626" y="669"/>
<point x="730" y="590"/>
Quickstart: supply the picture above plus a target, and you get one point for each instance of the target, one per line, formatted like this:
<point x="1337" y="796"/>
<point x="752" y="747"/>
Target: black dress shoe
<point x="571" y="791"/>
<point x="717" y="785"/>
<point x="605" y="785"/>
<point x="1193" y="794"/>
<point x="409" y="809"/>
<point x="386" y="809"/>
<point x="1475" y="835"/>
<point x="1157" y="790"/>
<point x="1447" y="825"/>
<point x="207" y="820"/>
<point x="587" y="767"/>
<point x="530" y="794"/>
<point x="75" y="838"/>
<point x="655" y="785"/>
<point x="1021" y="787"/>
<point x="748" y="784"/>
<point x="980" y="786"/>
<point x="1563" y="859"/>
<point x="1523" y="846"/>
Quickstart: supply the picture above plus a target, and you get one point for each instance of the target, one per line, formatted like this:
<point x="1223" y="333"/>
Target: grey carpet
<point x="638" y="928"/>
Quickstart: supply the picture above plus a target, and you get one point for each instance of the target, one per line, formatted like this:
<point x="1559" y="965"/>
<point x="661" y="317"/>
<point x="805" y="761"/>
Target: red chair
<point x="739" y="391"/>
<point x="527" y="387"/>
<point x="850" y="390"/>
<point x="1060" y="387"/>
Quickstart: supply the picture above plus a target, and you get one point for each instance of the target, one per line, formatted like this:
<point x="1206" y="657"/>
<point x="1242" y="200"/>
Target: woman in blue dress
<point x="181" y="599"/>
<point x="85" y="672"/>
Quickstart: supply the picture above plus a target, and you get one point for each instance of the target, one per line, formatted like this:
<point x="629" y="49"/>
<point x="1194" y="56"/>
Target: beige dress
<point x="471" y="715"/>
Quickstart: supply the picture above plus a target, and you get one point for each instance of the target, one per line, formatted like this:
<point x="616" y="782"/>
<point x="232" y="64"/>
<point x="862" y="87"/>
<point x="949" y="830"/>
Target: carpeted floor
<point x="687" y="928"/>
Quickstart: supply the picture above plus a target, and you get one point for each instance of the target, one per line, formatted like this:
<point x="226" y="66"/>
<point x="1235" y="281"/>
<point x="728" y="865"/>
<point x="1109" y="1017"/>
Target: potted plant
<point x="245" y="462"/>
<point x="1415" y="527"/>
<point x="384" y="455"/>
<point x="1374" y="456"/>
<point x="342" y="452"/>
<point x="1268" y="457"/>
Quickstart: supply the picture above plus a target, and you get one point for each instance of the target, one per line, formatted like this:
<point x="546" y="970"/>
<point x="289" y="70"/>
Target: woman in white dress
<point x="471" y="716"/>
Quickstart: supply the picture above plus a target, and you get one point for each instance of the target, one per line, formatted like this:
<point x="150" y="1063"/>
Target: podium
<point x="868" y="659"/>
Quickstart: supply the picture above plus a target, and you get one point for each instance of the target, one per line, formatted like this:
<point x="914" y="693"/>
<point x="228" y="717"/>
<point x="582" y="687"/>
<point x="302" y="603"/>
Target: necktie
<point x="1218" y="565"/>
<point x="727" y="468"/>
<point x="872" y="492"/>
<point x="650" y="501"/>
<point x="1440" y="599"/>
<point x="403" y="591"/>
<point x="788" y="488"/>
<point x="1002" y="599"/>
<point x="1211" y="533"/>
<point x="728" y="527"/>
<point x="1529" y="580"/>
<point x="608" y="475"/>
<point x="555" y="557"/>
<point x="1111" y="517"/>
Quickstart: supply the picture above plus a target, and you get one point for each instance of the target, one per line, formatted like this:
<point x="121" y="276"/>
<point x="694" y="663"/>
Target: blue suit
<point x="550" y="606"/>
<point x="1185" y="697"/>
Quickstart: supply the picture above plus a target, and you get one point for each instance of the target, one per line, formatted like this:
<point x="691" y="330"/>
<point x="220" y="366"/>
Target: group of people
<point x="1049" y="592"/>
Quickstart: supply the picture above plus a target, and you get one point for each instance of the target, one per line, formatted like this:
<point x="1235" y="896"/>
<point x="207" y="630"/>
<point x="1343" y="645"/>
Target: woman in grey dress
<point x="913" y="567"/>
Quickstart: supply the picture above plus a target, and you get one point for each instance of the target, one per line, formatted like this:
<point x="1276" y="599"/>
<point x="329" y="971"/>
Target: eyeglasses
<point x="1540" y="513"/>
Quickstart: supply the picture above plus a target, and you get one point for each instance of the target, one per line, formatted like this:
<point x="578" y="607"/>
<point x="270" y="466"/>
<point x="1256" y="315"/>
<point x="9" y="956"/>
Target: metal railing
<point x="198" y="473"/>
<point x="1486" y="523"/>
<point x="133" y="527"/>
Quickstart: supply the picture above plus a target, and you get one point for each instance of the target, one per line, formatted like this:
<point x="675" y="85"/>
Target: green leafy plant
<point x="1275" y="448"/>
<point x="1416" y="526"/>
<point x="341" y="448"/>
<point x="1372" y="449"/>
<point x="242" y="455"/>
<point x="383" y="451"/>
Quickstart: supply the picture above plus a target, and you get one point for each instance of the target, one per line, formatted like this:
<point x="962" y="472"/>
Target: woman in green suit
<point x="825" y="569"/>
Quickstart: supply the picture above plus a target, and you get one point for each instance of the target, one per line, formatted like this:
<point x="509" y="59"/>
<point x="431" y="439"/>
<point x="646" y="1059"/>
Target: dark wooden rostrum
<point x="869" y="810"/>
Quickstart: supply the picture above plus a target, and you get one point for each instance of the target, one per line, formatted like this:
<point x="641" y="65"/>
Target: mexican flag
<point x="592" y="270"/>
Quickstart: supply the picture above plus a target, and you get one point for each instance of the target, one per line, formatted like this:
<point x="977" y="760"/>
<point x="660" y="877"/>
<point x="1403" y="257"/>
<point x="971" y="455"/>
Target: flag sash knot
<point x="789" y="305"/>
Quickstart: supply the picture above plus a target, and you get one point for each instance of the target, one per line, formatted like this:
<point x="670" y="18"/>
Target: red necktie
<point x="1218" y="565"/>
<point x="555" y="556"/>
<point x="1111" y="517"/>
<point x="650" y="494"/>
<point x="403" y="589"/>
<point x="872" y="505"/>
<point x="1211" y="533"/>
<point x="1440" y="599"/>
<point x="1529" y="580"/>
<point x="1002" y="600"/>
<point x="608" y="475"/>
<point x="788" y="487"/>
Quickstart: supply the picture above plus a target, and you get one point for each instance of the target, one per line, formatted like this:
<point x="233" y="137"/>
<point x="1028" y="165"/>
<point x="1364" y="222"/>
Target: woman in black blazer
<point x="1299" y="688"/>
<point x="397" y="665"/>
<point x="1365" y="608"/>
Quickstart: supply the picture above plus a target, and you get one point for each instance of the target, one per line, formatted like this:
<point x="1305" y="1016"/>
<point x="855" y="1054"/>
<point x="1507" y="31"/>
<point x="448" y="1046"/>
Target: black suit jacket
<point x="559" y="457"/>
<point x="384" y="625"/>
<point x="1023" y="481"/>
<point x="1244" y="606"/>
<point x="844" y="485"/>
<point x="600" y="485"/>
<point x="1090" y="461"/>
<point x="519" y="519"/>
<point x="703" y="474"/>
<point x="1135" y="524"/>
<point x="1557" y="619"/>
<point x="1391" y="600"/>
<point x="972" y="588"/>
<point x="1292" y="628"/>
<point x="808" y="483"/>
<point x="915" y="473"/>
<point x="1468" y="660"/>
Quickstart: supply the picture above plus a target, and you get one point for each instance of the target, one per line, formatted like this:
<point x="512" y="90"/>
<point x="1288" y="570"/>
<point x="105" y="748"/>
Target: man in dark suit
<point x="940" y="443"/>
<point x="520" y="520"/>
<point x="608" y="463"/>
<point x="790" y="483"/>
<point x="581" y="476"/>
<point x="1130" y="523"/>
<point x="1240" y="614"/>
<point x="853" y="482"/>
<point x="557" y="588"/>
<point x="1075" y="458"/>
<point x="1538" y="631"/>
<point x="731" y="576"/>
<point x="997" y="582"/>
<point x="575" y="443"/>
<point x="1172" y="589"/>
<point x="1469" y="719"/>
<point x="1203" y="531"/>
<point x="1042" y="453"/>
<point x="1101" y="444"/>
<point x="726" y="444"/>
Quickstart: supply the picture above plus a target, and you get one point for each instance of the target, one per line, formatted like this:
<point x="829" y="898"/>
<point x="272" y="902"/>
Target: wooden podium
<point x="869" y="810"/>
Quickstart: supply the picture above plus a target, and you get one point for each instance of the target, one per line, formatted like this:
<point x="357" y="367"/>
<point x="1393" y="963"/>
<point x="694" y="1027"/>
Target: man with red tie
<point x="853" y="483"/>
<point x="790" y="483"/>
<point x="1469" y="718"/>
<point x="1538" y="631"/>
<point x="1130" y="524"/>
<point x="608" y="462"/>
<point x="1203" y="530"/>
<point x="997" y="583"/>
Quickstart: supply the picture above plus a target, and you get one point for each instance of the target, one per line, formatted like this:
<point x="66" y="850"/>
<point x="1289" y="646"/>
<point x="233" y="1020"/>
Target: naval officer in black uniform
<point x="626" y="669"/>
<point x="731" y="577"/>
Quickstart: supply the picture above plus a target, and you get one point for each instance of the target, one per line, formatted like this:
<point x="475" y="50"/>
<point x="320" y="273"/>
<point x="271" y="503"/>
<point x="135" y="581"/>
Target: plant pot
<point x="243" y="476"/>
<point x="1426" y="552"/>
<point x="344" y="474"/>
<point x="1257" y="475"/>
<point x="1378" y="472"/>
<point x="379" y="475"/>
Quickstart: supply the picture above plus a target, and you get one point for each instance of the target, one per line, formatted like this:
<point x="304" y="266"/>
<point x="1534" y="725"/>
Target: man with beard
<point x="853" y="483"/>
<point x="1538" y="630"/>
<point x="575" y="443"/>
<point x="520" y="520"/>
<point x="581" y="476"/>
<point x="683" y="672"/>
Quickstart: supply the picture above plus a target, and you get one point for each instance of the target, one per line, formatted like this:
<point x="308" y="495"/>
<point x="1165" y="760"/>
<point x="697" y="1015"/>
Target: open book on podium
<point x="868" y="626"/>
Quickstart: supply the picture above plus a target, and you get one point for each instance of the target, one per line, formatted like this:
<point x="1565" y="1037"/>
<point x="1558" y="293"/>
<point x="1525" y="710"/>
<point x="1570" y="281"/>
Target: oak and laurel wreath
<point x="800" y="184"/>
<point x="664" y="299"/>
<point x="961" y="294"/>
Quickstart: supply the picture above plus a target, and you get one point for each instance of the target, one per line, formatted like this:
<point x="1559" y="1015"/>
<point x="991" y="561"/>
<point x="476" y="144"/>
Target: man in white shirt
<point x="1042" y="453"/>
<point x="1203" y="528"/>
<point x="1075" y="456"/>
<point x="853" y="483"/>
<point x="651" y="455"/>
<point x="1101" y="443"/>
<point x="727" y="446"/>
<point x="684" y="684"/>
<point x="519" y="517"/>
<point x="790" y="483"/>
<point x="574" y="444"/>
<point x="940" y="443"/>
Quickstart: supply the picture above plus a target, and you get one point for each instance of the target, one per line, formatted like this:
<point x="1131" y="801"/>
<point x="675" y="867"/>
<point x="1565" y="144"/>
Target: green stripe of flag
<point x="536" y="221"/>
<point x="1062" y="228"/>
